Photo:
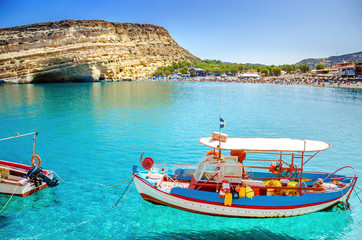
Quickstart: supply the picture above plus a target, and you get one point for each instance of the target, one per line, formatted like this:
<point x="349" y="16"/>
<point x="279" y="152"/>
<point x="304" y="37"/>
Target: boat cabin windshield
<point x="207" y="170"/>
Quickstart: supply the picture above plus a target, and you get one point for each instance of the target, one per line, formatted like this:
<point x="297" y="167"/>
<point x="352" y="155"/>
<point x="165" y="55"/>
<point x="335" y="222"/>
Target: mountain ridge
<point x="332" y="60"/>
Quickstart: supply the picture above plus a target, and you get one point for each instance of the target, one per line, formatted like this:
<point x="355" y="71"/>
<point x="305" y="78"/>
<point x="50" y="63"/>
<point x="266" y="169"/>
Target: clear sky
<point x="254" y="31"/>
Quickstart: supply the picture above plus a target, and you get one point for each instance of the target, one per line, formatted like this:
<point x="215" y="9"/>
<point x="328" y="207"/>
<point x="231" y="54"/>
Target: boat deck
<point x="165" y="185"/>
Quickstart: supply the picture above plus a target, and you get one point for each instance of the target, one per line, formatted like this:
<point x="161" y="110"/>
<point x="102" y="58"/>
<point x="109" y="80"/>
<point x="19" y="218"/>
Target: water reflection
<point x="135" y="95"/>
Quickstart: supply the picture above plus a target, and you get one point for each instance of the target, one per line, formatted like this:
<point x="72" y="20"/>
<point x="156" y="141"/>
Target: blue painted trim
<point x="135" y="169"/>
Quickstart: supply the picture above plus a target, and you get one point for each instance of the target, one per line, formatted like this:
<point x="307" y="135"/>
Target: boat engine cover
<point x="36" y="175"/>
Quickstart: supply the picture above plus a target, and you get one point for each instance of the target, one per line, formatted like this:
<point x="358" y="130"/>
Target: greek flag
<point x="222" y="123"/>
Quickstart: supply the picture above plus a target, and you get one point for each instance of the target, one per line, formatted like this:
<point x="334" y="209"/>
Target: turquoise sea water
<point x="92" y="133"/>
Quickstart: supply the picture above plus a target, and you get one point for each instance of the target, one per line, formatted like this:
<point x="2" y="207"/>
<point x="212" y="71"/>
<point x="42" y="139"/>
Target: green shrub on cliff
<point x="3" y="42"/>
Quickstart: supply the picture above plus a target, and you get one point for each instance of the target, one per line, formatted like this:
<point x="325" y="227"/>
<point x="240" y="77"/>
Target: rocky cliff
<point x="85" y="50"/>
<point x="333" y="60"/>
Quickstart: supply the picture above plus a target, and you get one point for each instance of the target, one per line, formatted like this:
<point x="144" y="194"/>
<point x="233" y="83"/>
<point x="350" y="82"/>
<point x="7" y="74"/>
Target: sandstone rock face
<point x="85" y="50"/>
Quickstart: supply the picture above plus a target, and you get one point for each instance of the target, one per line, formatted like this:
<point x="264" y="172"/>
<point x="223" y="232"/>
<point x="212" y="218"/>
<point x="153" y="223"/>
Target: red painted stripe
<point x="27" y="193"/>
<point x="154" y="200"/>
<point x="236" y="205"/>
<point x="21" y="166"/>
<point x="34" y="190"/>
<point x="251" y="206"/>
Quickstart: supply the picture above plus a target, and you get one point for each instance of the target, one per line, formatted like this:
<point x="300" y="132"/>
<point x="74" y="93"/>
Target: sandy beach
<point x="337" y="82"/>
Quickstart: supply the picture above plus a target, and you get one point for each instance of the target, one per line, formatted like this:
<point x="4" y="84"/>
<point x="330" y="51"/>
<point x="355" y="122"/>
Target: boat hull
<point x="20" y="190"/>
<point x="210" y="204"/>
<point x="20" y="186"/>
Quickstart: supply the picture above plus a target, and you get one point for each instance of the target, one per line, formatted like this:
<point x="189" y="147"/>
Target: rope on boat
<point x="357" y="194"/>
<point x="9" y="198"/>
<point x="345" y="208"/>
<point x="99" y="184"/>
<point x="115" y="205"/>
<point x="127" y="189"/>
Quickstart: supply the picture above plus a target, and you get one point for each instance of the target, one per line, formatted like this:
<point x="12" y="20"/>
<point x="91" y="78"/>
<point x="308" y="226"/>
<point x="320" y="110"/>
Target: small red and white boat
<point x="257" y="177"/>
<point x="19" y="179"/>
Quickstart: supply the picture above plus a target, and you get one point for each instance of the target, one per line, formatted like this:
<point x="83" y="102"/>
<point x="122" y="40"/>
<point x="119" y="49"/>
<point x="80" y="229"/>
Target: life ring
<point x="32" y="160"/>
<point x="147" y="163"/>
<point x="212" y="152"/>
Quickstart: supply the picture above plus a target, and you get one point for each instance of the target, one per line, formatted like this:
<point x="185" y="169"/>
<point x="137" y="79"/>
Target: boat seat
<point x="329" y="185"/>
<point x="15" y="178"/>
<point x="208" y="175"/>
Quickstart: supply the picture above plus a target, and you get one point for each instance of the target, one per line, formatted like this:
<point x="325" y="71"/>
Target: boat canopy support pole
<point x="18" y="135"/>
<point x="311" y="157"/>
<point x="34" y="142"/>
<point x="301" y="169"/>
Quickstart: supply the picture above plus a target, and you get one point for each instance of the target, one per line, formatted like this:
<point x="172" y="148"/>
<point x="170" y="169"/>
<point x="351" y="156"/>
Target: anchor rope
<point x="99" y="184"/>
<point x="92" y="219"/>
<point x="345" y="207"/>
<point x="357" y="194"/>
<point x="9" y="198"/>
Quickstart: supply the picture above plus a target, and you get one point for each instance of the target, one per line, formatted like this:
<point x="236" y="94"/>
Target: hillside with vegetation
<point x="219" y="67"/>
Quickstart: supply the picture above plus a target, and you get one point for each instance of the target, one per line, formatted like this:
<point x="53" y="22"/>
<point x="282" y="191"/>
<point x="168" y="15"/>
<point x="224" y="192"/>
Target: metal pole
<point x="18" y="135"/>
<point x="34" y="142"/>
<point x="301" y="171"/>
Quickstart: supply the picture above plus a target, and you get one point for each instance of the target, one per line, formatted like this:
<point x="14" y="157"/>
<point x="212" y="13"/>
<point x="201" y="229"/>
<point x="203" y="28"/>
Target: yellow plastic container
<point x="228" y="199"/>
<point x="249" y="192"/>
<point x="242" y="192"/>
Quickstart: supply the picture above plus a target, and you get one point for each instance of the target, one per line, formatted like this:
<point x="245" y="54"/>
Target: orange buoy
<point x="241" y="154"/>
<point x="212" y="152"/>
<point x="32" y="160"/>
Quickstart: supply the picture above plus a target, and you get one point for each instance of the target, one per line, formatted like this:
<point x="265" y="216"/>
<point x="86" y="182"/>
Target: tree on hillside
<point x="276" y="71"/>
<point x="320" y="67"/>
<point x="304" y="68"/>
<point x="175" y="65"/>
<point x="159" y="71"/>
<point x="265" y="71"/>
<point x="184" y="70"/>
<point x="288" y="68"/>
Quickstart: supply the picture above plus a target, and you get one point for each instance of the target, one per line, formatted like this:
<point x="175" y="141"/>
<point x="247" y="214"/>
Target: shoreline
<point x="283" y="80"/>
<point x="333" y="82"/>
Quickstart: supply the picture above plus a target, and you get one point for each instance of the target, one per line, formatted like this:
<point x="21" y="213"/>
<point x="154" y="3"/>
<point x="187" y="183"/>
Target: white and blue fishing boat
<point x="246" y="177"/>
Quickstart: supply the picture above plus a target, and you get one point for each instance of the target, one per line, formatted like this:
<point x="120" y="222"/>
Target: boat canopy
<point x="268" y="144"/>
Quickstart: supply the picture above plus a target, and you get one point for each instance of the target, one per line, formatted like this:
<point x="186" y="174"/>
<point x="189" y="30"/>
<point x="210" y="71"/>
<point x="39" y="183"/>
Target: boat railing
<point x="283" y="154"/>
<point x="177" y="164"/>
<point x="354" y="178"/>
<point x="175" y="170"/>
